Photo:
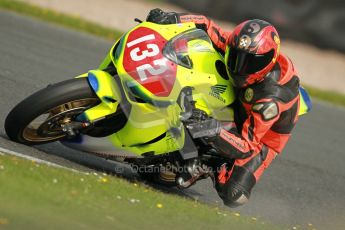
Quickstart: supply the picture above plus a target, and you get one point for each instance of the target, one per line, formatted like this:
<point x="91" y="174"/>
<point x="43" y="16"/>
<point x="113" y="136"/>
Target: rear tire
<point x="164" y="179"/>
<point x="75" y="94"/>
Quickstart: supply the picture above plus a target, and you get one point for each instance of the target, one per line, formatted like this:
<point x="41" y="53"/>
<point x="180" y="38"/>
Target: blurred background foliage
<point x="317" y="22"/>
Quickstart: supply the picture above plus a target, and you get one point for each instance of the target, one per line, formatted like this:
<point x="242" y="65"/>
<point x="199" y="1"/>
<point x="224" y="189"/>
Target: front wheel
<point x="39" y="118"/>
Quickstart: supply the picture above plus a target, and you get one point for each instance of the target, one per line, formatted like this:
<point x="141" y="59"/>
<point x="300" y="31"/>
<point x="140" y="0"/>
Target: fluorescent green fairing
<point x="305" y="102"/>
<point x="107" y="90"/>
<point x="154" y="121"/>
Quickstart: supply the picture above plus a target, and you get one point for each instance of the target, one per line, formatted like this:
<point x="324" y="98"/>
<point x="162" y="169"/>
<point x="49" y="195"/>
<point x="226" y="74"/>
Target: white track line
<point x="10" y="152"/>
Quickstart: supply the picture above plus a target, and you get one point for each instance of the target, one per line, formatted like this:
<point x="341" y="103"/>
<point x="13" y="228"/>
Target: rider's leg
<point x="234" y="184"/>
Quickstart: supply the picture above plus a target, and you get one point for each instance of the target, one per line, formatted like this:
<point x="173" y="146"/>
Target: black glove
<point x="160" y="17"/>
<point x="208" y="128"/>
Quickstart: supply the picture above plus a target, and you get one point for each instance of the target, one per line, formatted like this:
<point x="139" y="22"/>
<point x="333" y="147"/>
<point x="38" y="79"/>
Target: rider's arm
<point x="217" y="35"/>
<point x="259" y="122"/>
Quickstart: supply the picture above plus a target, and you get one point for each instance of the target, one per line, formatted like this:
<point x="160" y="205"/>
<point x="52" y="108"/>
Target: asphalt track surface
<point x="305" y="185"/>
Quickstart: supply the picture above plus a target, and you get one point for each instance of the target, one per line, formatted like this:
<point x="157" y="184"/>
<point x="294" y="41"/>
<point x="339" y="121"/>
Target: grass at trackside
<point x="329" y="96"/>
<point x="111" y="34"/>
<point x="59" y="18"/>
<point x="36" y="196"/>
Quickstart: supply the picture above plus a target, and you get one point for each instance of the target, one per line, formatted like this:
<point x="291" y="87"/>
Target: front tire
<point x="38" y="118"/>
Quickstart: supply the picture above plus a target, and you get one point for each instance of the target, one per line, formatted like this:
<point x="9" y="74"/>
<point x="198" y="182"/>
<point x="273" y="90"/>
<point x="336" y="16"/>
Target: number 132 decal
<point x="142" y="50"/>
<point x="144" y="61"/>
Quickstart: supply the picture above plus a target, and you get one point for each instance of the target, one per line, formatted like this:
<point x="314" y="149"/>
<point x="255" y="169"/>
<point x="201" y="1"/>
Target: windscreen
<point x="178" y="49"/>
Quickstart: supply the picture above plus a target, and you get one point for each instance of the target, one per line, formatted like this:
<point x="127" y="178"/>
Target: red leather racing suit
<point x="265" y="114"/>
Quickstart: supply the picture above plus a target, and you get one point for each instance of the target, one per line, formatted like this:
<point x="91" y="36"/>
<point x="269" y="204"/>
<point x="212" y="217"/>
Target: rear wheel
<point x="161" y="175"/>
<point x="40" y="117"/>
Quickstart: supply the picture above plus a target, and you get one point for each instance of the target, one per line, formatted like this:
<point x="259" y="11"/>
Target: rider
<point x="266" y="109"/>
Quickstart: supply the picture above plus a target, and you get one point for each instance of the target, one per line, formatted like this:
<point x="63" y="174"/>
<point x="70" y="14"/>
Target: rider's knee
<point x="236" y="191"/>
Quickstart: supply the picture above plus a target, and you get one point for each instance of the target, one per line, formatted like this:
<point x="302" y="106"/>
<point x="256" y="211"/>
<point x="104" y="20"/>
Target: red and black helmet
<point x="252" y="51"/>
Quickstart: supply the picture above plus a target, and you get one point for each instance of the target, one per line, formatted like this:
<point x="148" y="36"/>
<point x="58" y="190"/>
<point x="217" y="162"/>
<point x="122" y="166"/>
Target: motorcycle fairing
<point x="106" y="88"/>
<point x="150" y="68"/>
<point x="305" y="102"/>
<point x="202" y="76"/>
<point x="154" y="124"/>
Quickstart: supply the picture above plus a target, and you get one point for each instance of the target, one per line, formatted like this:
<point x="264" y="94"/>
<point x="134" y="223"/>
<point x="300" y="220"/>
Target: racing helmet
<point x="251" y="52"/>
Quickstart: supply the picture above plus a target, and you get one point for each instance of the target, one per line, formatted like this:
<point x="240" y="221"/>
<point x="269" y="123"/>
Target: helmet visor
<point x="241" y="62"/>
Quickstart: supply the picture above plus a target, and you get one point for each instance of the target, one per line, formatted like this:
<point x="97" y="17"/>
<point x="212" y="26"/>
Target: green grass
<point x="59" y="18"/>
<point x="111" y="34"/>
<point x="324" y="95"/>
<point x="36" y="196"/>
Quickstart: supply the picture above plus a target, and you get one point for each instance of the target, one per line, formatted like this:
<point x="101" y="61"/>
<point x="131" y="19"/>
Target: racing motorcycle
<point x="160" y="92"/>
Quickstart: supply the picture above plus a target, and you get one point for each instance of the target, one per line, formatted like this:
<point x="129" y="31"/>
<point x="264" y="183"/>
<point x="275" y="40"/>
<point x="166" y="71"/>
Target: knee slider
<point x="238" y="187"/>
